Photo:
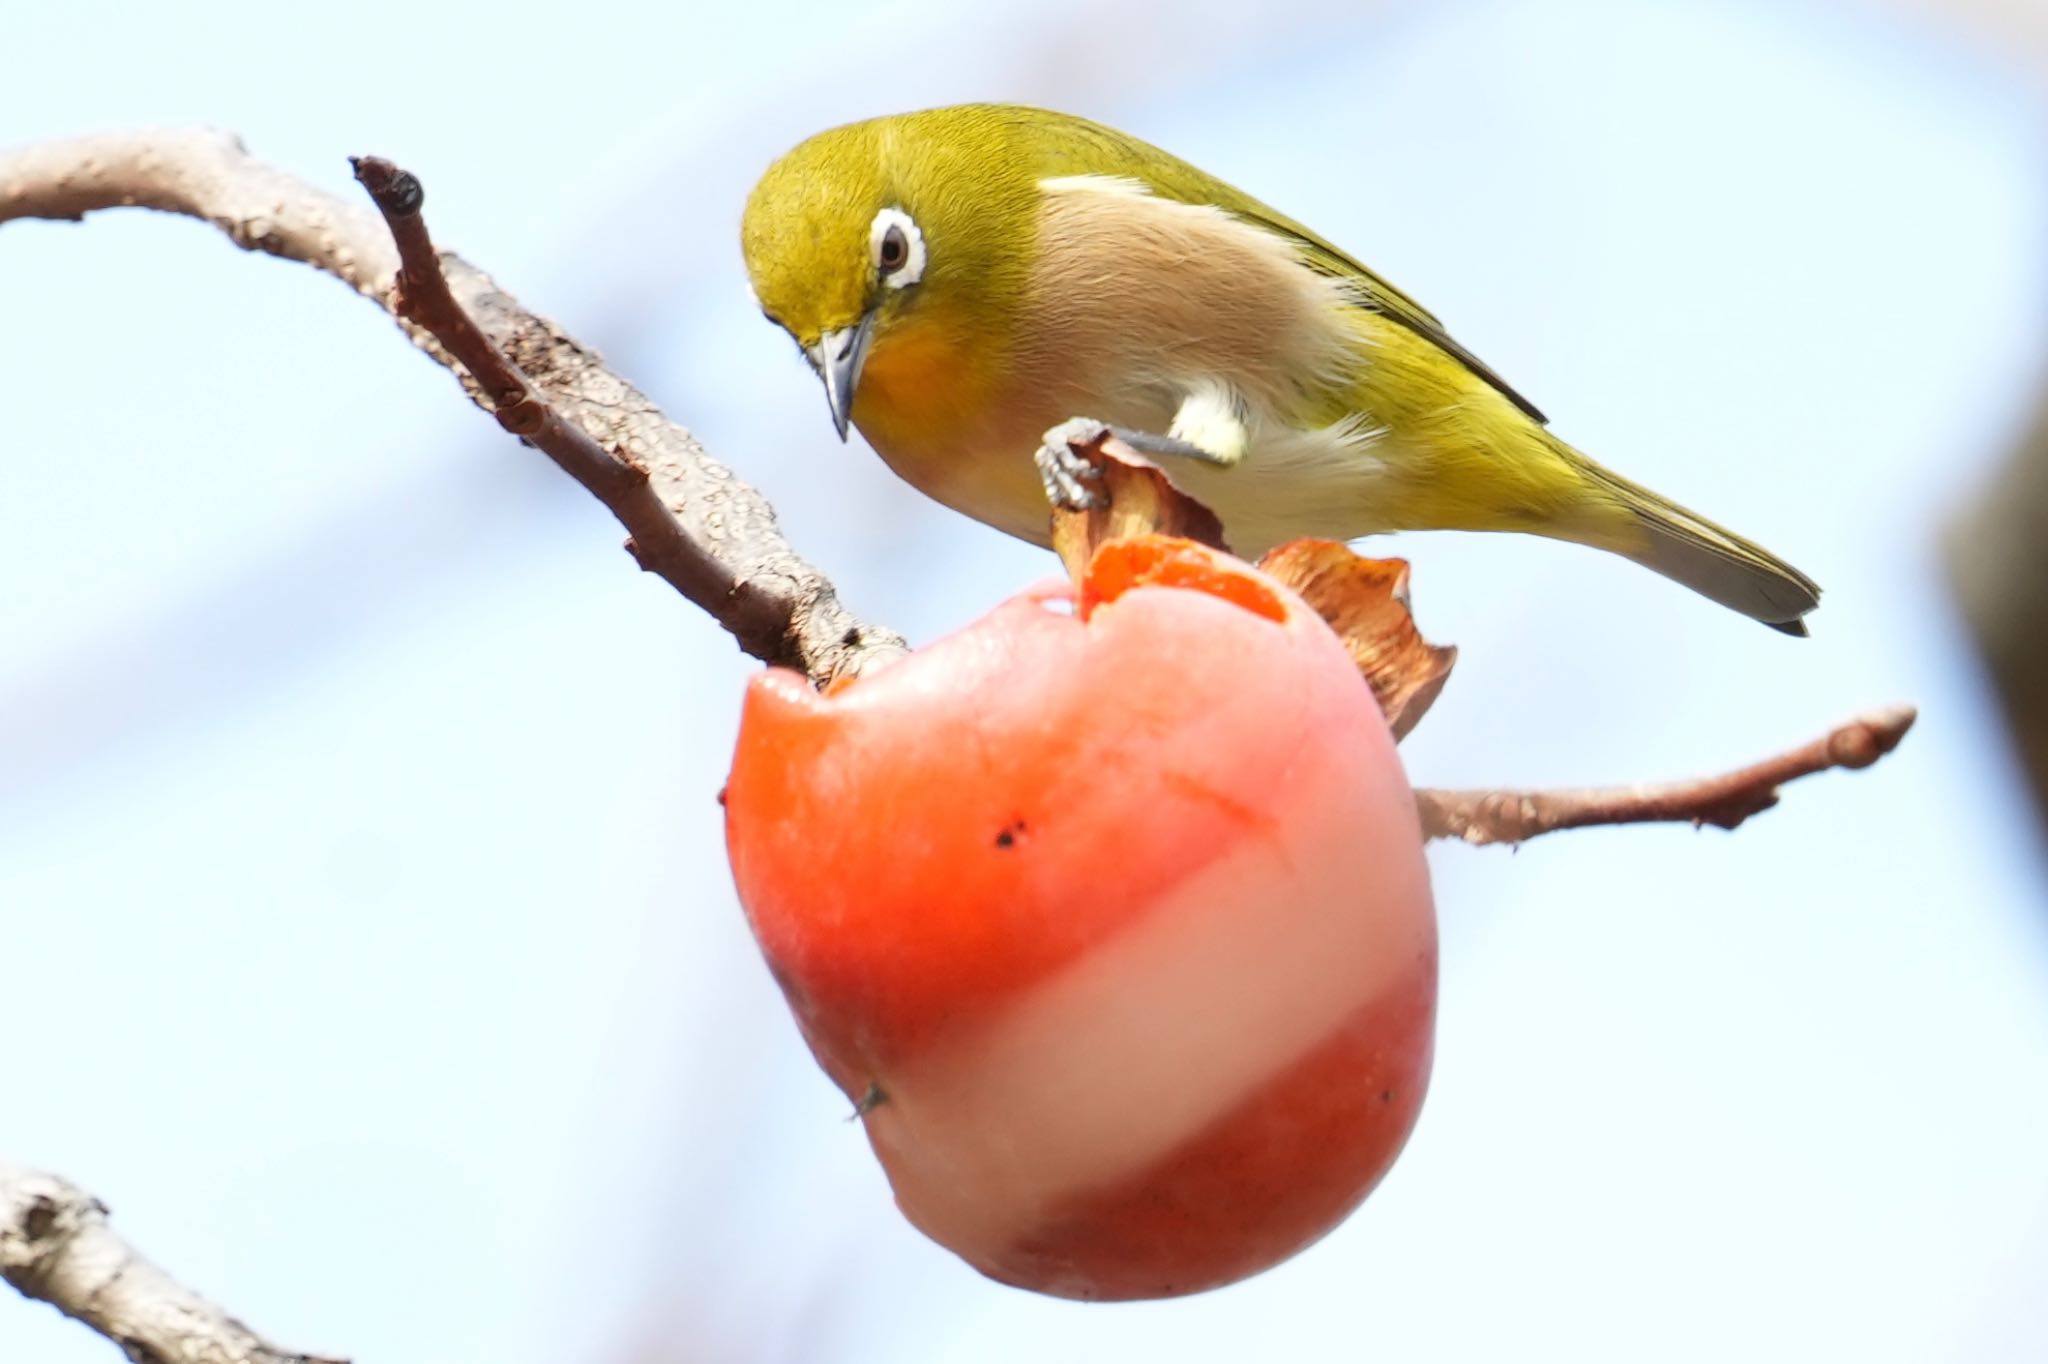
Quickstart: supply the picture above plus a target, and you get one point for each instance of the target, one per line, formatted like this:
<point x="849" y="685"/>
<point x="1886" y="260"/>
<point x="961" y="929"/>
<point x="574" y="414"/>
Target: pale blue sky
<point x="362" y="903"/>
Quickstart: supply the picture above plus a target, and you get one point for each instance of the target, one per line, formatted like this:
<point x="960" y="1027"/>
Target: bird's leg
<point x="1171" y="447"/>
<point x="1066" y="475"/>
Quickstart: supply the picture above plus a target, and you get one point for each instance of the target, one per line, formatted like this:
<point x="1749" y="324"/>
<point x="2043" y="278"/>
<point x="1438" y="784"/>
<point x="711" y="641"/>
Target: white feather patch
<point x="912" y="268"/>
<point x="1212" y="417"/>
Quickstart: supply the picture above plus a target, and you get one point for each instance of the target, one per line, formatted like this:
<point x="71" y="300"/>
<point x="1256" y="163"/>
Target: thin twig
<point x="757" y="612"/>
<point x="705" y="531"/>
<point x="1724" y="801"/>
<point x="56" y="1246"/>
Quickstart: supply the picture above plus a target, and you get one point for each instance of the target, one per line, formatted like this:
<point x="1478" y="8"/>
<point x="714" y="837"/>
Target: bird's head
<point x="865" y="234"/>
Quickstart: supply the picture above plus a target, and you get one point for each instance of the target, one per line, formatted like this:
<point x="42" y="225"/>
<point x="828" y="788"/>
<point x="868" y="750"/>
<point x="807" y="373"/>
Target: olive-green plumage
<point x="964" y="279"/>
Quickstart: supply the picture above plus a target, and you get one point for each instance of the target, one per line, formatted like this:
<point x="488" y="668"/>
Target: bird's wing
<point x="1068" y="145"/>
<point x="1376" y="294"/>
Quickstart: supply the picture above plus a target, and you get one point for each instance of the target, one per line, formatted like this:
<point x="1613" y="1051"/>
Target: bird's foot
<point x="1065" y="474"/>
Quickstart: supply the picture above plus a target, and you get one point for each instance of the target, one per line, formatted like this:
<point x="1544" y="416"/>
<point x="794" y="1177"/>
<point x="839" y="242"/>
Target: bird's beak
<point x="838" y="357"/>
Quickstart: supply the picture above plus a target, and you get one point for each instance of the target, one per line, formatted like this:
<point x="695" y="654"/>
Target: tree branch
<point x="1724" y="801"/>
<point x="56" y="1246"/>
<point x="703" y="530"/>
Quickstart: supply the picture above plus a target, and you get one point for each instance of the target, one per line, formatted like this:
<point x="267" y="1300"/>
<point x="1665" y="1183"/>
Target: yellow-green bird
<point x="964" y="280"/>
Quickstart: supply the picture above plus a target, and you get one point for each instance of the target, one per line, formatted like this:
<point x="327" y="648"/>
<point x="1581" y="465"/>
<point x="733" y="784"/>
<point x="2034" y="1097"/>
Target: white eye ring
<point x="911" y="268"/>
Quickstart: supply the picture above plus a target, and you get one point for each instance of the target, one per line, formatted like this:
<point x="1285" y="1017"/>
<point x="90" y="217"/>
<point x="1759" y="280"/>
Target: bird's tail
<point x="1689" y="549"/>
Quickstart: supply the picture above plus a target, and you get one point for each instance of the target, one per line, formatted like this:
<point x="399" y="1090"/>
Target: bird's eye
<point x="897" y="247"/>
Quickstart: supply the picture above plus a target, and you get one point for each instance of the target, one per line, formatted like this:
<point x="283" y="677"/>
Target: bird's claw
<point x="1065" y="474"/>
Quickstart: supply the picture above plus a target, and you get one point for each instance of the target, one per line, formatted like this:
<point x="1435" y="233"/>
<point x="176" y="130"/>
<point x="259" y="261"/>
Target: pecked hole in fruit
<point x="1161" y="561"/>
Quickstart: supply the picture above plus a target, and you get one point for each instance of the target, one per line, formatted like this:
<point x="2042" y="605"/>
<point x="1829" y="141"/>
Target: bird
<point x="980" y="285"/>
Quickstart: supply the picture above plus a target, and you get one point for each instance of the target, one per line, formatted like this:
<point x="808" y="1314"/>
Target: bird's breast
<point x="936" y="402"/>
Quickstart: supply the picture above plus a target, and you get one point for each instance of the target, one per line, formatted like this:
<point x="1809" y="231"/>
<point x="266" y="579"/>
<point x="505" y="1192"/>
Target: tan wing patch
<point x="1129" y="284"/>
<point x="1365" y="288"/>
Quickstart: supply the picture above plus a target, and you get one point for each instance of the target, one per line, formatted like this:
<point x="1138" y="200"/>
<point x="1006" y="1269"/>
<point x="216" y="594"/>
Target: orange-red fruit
<point x="1115" y="924"/>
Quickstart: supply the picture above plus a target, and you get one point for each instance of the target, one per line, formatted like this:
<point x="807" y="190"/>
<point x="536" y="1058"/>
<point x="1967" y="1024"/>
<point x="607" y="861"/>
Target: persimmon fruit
<point x="1109" y="913"/>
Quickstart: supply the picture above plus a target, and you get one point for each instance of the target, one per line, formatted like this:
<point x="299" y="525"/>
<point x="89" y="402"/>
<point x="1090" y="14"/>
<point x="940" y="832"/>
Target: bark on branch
<point x="710" y="535"/>
<point x="56" y="1246"/>
<point x="1724" y="801"/>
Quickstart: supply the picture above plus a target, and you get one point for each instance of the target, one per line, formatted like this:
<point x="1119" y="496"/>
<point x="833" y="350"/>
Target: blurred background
<point x="364" y="923"/>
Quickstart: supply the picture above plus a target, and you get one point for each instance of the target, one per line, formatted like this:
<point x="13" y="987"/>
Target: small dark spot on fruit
<point x="1386" y="1096"/>
<point x="721" y="796"/>
<point x="1010" y="834"/>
